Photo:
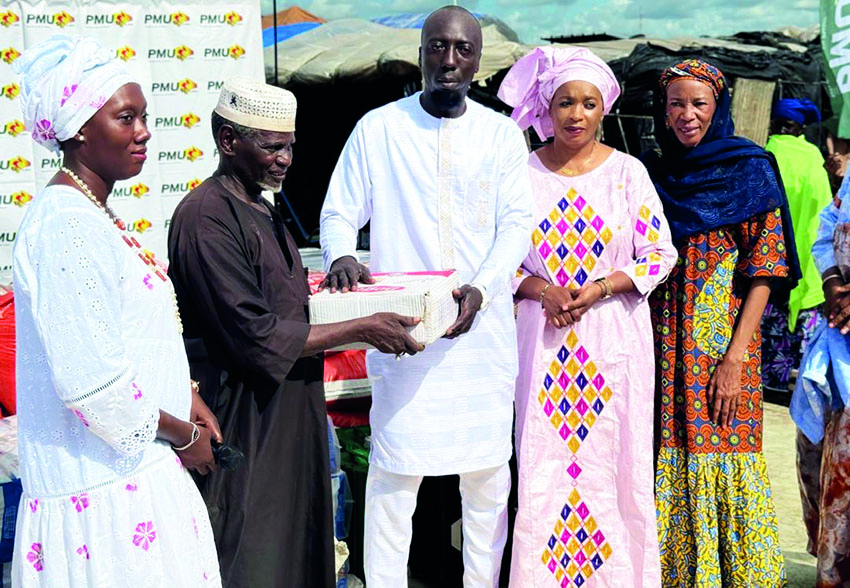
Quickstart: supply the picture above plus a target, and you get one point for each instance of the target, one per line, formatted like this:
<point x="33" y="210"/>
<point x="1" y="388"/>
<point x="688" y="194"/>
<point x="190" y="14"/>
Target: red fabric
<point x="7" y="354"/>
<point x="345" y="365"/>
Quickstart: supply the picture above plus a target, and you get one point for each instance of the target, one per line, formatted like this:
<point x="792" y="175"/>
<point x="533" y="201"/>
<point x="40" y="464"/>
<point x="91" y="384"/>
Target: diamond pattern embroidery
<point x="571" y="239"/>
<point x="648" y="224"/>
<point x="576" y="548"/>
<point x="573" y="395"/>
<point x="650" y="264"/>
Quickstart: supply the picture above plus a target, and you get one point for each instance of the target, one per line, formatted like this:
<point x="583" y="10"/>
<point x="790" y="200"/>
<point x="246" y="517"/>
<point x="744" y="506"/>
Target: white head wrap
<point x="257" y="105"/>
<point x="64" y="82"/>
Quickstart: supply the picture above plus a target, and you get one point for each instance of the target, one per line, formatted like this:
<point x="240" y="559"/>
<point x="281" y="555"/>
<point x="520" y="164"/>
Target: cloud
<point x="534" y="19"/>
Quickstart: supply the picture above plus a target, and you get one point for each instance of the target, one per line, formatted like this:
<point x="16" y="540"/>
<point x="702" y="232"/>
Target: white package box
<point x="418" y="294"/>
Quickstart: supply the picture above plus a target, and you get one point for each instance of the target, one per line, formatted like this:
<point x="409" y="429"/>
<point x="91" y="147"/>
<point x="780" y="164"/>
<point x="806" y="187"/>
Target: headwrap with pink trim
<point x="64" y="82"/>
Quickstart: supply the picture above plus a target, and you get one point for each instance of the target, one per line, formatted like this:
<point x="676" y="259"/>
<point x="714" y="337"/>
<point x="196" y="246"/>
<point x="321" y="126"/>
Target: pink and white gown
<point x="584" y="396"/>
<point x="99" y="354"/>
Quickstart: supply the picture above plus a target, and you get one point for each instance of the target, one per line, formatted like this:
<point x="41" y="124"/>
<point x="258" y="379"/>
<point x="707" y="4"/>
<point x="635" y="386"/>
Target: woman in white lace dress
<point x="105" y="405"/>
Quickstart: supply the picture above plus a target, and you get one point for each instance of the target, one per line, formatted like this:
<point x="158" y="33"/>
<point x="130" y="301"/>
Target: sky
<point x="533" y="19"/>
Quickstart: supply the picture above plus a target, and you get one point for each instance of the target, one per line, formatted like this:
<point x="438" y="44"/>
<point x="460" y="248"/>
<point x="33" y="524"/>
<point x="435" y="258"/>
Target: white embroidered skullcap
<point x="64" y="82"/>
<point x="257" y="105"/>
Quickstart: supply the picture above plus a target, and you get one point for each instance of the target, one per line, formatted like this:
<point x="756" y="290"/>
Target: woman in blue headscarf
<point x="728" y="216"/>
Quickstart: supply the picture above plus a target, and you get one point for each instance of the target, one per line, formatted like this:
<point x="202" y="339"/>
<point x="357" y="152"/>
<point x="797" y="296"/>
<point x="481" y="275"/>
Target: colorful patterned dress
<point x="584" y="396"/>
<point x="716" y="520"/>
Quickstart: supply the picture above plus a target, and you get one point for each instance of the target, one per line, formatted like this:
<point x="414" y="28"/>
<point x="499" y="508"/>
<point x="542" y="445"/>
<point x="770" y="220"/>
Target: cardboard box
<point x="419" y="294"/>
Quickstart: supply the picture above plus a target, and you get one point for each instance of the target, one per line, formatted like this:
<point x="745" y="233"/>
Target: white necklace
<point x="145" y="255"/>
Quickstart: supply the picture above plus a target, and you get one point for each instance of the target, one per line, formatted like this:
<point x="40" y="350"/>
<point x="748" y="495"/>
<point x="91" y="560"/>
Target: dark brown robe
<point x="242" y="294"/>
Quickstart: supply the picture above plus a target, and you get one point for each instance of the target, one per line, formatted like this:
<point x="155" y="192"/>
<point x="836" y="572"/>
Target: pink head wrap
<point x="533" y="80"/>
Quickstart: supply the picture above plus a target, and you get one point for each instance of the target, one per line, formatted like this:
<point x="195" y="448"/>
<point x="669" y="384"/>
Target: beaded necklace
<point x="146" y="256"/>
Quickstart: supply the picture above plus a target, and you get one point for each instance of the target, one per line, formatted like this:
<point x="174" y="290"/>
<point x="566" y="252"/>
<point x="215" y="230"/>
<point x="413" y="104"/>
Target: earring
<point x="80" y="138"/>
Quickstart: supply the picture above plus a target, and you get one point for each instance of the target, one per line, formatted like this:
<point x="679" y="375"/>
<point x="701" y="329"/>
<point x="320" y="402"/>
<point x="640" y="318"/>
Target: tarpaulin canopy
<point x="354" y="49"/>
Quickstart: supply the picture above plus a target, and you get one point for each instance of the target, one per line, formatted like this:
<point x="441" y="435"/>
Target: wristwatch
<point x="607" y="288"/>
<point x="485" y="299"/>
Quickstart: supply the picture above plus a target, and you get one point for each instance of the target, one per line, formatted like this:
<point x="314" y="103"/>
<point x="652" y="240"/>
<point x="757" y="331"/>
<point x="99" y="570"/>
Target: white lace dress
<point x="99" y="353"/>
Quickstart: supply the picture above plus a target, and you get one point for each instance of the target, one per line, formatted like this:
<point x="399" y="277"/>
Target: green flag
<point x="835" y="44"/>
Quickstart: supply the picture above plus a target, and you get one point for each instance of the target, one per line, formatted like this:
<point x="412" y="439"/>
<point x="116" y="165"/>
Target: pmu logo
<point x="234" y="52"/>
<point x="16" y="164"/>
<point x="190" y="154"/>
<point x="214" y="86"/>
<point x="185" y="86"/>
<point x="141" y="225"/>
<point x="13" y="128"/>
<point x="60" y="19"/>
<point x="10" y="54"/>
<point x="136" y="191"/>
<point x="119" y="19"/>
<point x="125" y="53"/>
<point x="10" y="91"/>
<point x="9" y="18"/>
<point x="8" y="237"/>
<point x="20" y="198"/>
<point x="51" y="163"/>
<point x="139" y="190"/>
<point x="230" y="18"/>
<point x="188" y="121"/>
<point x="176" y="18"/>
<point x="180" y="187"/>
<point x="181" y="52"/>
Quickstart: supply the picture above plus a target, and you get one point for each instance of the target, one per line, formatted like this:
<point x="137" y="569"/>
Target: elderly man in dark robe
<point x="243" y="296"/>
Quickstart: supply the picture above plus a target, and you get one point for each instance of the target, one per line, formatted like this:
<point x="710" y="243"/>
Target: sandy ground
<point x="779" y="435"/>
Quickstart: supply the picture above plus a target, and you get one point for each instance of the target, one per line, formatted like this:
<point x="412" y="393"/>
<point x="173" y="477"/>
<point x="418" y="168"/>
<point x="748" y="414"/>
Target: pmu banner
<point x="180" y="52"/>
<point x="835" y="45"/>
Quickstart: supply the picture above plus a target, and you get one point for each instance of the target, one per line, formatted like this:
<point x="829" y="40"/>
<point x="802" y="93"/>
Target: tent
<point x="342" y="69"/>
<point x="290" y="22"/>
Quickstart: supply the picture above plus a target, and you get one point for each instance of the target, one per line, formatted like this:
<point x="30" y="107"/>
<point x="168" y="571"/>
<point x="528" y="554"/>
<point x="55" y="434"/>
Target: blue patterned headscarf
<point x="722" y="181"/>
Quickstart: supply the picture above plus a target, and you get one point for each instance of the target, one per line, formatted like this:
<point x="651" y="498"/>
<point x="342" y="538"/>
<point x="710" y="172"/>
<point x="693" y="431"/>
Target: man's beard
<point x="273" y="188"/>
<point x="448" y="99"/>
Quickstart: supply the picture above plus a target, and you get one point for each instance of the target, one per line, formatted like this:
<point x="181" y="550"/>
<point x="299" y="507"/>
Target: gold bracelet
<point x="607" y="288"/>
<point x="543" y="293"/>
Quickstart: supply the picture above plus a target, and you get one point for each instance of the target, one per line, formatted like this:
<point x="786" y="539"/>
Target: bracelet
<point x="607" y="288"/>
<point x="832" y="276"/>
<point x="196" y="434"/>
<point x="543" y="293"/>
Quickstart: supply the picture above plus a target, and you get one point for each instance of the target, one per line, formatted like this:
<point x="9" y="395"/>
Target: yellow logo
<point x="236" y="51"/>
<point x="192" y="184"/>
<point x="10" y="91"/>
<point x="8" y="18"/>
<point x="189" y="120"/>
<point x="193" y="153"/>
<point x="17" y="164"/>
<point x="122" y="18"/>
<point x="233" y="18"/>
<point x="62" y="19"/>
<point x="15" y="128"/>
<point x="125" y="53"/>
<point x="187" y="85"/>
<point x="142" y="225"/>
<point x="9" y="55"/>
<point x="179" y="18"/>
<point x="21" y="198"/>
<point x="183" y="52"/>
<point x="139" y="190"/>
